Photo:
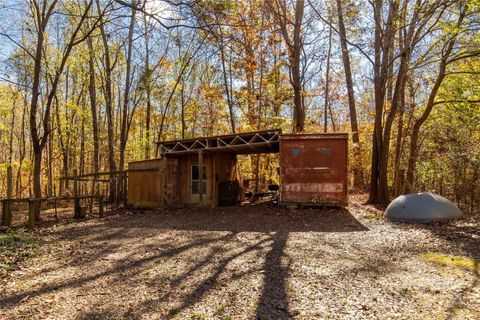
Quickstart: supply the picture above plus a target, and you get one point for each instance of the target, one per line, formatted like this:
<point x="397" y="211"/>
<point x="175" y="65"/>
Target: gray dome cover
<point x="422" y="208"/>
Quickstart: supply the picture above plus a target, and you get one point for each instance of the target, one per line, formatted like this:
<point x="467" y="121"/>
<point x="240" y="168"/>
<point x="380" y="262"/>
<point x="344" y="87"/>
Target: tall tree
<point x="291" y="30"/>
<point x="108" y="66"/>
<point x="423" y="18"/>
<point x="124" y="129"/>
<point x="43" y="12"/>
<point x="357" y="177"/>
<point x="445" y="60"/>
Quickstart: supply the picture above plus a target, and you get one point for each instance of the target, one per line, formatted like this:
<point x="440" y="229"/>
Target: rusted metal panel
<point x="313" y="168"/>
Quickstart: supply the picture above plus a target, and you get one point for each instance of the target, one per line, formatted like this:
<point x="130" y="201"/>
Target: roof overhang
<point x="240" y="143"/>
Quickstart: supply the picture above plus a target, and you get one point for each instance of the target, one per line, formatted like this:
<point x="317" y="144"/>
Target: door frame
<point x="195" y="197"/>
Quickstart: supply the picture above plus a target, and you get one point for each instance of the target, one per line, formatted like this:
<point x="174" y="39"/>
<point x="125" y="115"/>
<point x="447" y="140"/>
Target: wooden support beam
<point x="200" y="177"/>
<point x="125" y="191"/>
<point x="214" y="184"/>
<point x="107" y="173"/>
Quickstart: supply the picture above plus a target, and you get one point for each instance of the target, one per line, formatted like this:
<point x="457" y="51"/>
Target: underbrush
<point x="15" y="247"/>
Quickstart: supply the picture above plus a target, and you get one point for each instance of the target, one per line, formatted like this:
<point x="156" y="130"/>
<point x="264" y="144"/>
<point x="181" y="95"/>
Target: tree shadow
<point x="105" y="315"/>
<point x="263" y="219"/>
<point x="463" y="233"/>
<point x="14" y="299"/>
<point x="273" y="303"/>
<point x="209" y="283"/>
<point x="272" y="224"/>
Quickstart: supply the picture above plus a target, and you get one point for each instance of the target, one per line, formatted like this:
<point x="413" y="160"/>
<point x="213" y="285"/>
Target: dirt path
<point x="248" y="263"/>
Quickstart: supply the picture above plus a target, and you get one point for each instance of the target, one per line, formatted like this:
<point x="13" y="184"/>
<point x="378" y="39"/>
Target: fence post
<point x="76" y="201"/>
<point x="101" y="210"/>
<point x="6" y="204"/>
<point x="125" y="191"/>
<point x="31" y="218"/>
<point x="4" y="213"/>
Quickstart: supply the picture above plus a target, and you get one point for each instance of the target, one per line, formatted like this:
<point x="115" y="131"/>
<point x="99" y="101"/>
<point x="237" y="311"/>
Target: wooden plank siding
<point x="145" y="189"/>
<point x="171" y="185"/>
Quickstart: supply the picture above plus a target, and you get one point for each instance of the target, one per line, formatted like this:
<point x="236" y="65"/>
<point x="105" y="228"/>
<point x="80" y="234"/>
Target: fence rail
<point x="78" y="210"/>
<point x="32" y="202"/>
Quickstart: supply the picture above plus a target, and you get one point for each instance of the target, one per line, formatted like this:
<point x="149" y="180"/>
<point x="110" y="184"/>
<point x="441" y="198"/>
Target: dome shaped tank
<point x="422" y="208"/>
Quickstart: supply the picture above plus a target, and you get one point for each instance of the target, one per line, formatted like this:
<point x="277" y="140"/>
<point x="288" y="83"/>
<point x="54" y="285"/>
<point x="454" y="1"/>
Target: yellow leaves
<point x="452" y="261"/>
<point x="165" y="64"/>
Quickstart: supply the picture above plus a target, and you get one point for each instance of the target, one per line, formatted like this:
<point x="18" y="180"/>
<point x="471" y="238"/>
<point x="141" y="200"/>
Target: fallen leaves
<point x="242" y="263"/>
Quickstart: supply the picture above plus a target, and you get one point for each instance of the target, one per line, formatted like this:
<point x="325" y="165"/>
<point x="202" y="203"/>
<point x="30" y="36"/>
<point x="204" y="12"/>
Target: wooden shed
<point x="198" y="172"/>
<point x="191" y="171"/>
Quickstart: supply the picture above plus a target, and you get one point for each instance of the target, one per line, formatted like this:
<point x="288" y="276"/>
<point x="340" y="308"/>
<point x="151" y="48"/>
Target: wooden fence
<point x="78" y="211"/>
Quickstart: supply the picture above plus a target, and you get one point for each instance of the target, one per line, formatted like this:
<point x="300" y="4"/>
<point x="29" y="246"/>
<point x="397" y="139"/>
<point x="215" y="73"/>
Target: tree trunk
<point x="226" y="84"/>
<point x="398" y="150"/>
<point x="294" y="44"/>
<point x="36" y="143"/>
<point x="327" y="83"/>
<point x="148" y="90"/>
<point x="384" y="40"/>
<point x="93" y="104"/>
<point x="109" y="108"/>
<point x="299" y="112"/>
<point x="126" y="101"/>
<point x="357" y="173"/>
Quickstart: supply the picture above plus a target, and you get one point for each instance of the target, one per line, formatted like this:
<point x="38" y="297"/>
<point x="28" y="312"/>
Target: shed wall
<point x="171" y="185"/>
<point x="145" y="189"/>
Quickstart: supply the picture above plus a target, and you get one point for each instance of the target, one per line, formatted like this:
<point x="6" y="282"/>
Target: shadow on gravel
<point x="7" y="301"/>
<point x="273" y="303"/>
<point x="263" y="219"/>
<point x="273" y="224"/>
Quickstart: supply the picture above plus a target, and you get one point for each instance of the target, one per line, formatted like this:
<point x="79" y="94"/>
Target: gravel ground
<point x="253" y="262"/>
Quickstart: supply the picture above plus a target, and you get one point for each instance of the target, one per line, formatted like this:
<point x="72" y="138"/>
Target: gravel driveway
<point x="254" y="262"/>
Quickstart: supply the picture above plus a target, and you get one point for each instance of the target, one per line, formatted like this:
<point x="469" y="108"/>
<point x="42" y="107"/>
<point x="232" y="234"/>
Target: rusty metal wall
<point x="313" y="169"/>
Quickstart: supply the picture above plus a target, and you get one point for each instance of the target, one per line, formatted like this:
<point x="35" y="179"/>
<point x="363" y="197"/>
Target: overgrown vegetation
<point x="15" y="247"/>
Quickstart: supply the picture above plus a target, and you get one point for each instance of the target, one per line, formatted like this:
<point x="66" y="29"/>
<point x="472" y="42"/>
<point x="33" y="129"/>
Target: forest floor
<point x="250" y="262"/>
